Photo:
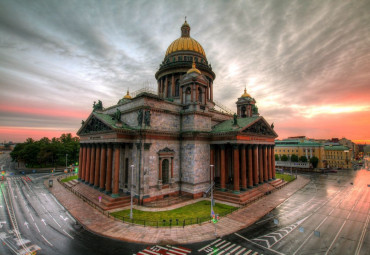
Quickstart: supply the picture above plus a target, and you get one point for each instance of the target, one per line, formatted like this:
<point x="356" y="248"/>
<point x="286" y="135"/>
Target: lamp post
<point x="132" y="193"/>
<point x="211" y="169"/>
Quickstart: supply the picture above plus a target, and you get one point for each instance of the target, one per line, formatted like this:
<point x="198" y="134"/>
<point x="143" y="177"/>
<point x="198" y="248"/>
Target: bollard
<point x="177" y="222"/>
<point x="170" y="223"/>
<point x="183" y="224"/>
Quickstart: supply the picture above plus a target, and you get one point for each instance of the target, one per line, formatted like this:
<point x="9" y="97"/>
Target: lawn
<point x="285" y="177"/>
<point x="70" y="178"/>
<point x="186" y="215"/>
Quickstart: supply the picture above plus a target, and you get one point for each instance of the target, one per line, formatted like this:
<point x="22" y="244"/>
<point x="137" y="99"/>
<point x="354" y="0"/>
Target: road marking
<point x="220" y="243"/>
<point x="57" y="223"/>
<point x="237" y="247"/>
<point x="263" y="247"/>
<point x="68" y="234"/>
<point x="240" y="251"/>
<point x="209" y="244"/>
<point x="37" y="227"/>
<point x="46" y="240"/>
<point x="32" y="217"/>
<point x="359" y="246"/>
<point x="43" y="221"/>
<point x="26" y="223"/>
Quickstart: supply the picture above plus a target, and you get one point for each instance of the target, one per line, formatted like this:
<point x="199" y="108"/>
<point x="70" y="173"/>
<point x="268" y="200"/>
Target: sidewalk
<point x="96" y="222"/>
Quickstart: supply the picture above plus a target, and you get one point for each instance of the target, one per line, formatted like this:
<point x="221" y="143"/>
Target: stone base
<point x="223" y="189"/>
<point x="250" y="187"/>
<point x="107" y="192"/>
<point x="243" y="189"/>
<point x="101" y="189"/>
<point x="236" y="191"/>
<point x="96" y="187"/>
<point x="115" y="195"/>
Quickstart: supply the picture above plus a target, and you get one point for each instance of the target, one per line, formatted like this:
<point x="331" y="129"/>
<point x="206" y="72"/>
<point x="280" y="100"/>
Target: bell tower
<point x="246" y="106"/>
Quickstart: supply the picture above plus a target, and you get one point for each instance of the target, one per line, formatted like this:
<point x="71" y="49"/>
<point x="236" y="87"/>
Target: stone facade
<point x="163" y="144"/>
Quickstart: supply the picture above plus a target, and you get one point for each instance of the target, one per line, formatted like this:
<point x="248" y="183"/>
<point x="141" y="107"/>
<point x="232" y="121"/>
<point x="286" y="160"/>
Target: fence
<point x="171" y="222"/>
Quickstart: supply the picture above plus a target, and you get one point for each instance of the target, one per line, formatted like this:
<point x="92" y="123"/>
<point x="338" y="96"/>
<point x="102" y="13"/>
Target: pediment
<point x="94" y="125"/>
<point x="260" y="127"/>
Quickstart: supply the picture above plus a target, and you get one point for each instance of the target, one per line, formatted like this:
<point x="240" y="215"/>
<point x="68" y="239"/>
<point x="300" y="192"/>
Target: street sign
<point x="301" y="229"/>
<point x="276" y="221"/>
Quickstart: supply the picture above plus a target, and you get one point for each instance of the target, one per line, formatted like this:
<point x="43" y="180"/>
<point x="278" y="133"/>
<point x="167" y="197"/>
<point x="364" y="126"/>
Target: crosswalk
<point x="164" y="250"/>
<point x="220" y="246"/>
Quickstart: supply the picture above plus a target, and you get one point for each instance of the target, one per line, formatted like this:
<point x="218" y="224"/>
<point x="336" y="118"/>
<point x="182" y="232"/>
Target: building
<point x="301" y="147"/>
<point x="337" y="156"/>
<point x="163" y="143"/>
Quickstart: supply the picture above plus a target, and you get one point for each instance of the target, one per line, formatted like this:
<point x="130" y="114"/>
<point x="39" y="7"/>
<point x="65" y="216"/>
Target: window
<point x="165" y="171"/>
<point x="177" y="88"/>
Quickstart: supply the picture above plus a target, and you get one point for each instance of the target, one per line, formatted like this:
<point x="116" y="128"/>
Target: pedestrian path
<point x="164" y="250"/>
<point x="99" y="223"/>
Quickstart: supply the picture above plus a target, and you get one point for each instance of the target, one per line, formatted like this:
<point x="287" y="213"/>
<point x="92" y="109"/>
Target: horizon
<point x="305" y="63"/>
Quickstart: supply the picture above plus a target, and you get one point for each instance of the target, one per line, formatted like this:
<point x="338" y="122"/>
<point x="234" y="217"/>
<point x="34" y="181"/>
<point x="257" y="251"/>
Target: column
<point x="222" y="179"/>
<point x="165" y="87"/>
<point x="108" y="181"/>
<point x="265" y="167"/>
<point x="103" y="165"/>
<point x="211" y="85"/>
<point x="181" y="95"/>
<point x="80" y="163"/>
<point x="273" y="163"/>
<point x="250" y="167"/>
<point x="260" y="161"/>
<point x="270" y="154"/>
<point x="310" y="153"/>
<point x="161" y="90"/>
<point x="212" y="162"/>
<point x="236" y="169"/>
<point x="173" y="86"/>
<point x="81" y="167"/>
<point x="255" y="165"/>
<point x="306" y="153"/>
<point x="116" y="171"/>
<point x="243" y="168"/>
<point x="92" y="165"/>
<point x="97" y="167"/>
<point x="160" y="170"/>
<point x="87" y="164"/>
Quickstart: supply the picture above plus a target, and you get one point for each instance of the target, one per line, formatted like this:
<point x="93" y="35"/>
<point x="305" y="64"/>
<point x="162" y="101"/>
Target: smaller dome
<point x="127" y="95"/>
<point x="245" y="94"/>
<point x="193" y="69"/>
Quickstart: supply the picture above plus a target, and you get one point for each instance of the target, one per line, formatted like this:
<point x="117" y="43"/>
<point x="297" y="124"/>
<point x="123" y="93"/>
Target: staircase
<point x="249" y="196"/>
<point x="92" y="195"/>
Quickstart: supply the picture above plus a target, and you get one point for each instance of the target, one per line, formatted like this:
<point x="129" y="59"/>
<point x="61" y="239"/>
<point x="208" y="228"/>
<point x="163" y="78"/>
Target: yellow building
<point x="337" y="156"/>
<point x="299" y="147"/>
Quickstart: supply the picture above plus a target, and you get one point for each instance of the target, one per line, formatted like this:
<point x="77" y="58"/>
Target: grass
<point x="285" y="177"/>
<point x="186" y="215"/>
<point x="70" y="178"/>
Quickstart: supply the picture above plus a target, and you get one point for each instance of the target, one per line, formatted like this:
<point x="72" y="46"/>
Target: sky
<point x="307" y="63"/>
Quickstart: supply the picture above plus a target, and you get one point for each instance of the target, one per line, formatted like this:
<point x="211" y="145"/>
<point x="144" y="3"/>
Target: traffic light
<point x="3" y="172"/>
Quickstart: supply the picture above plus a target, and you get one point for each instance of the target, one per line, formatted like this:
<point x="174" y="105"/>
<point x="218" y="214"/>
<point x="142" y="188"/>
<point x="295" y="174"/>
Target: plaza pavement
<point x="96" y="222"/>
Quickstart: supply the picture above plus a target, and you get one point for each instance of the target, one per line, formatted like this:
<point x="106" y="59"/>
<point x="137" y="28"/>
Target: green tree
<point x="314" y="161"/>
<point x="303" y="159"/>
<point x="294" y="158"/>
<point x="277" y="157"/>
<point x="284" y="157"/>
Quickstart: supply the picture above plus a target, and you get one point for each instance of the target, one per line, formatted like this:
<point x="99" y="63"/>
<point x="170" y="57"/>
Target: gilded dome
<point x="127" y="95"/>
<point x="245" y="94"/>
<point x="193" y="69"/>
<point x="185" y="42"/>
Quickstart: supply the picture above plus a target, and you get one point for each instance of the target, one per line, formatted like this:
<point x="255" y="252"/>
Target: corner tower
<point x="178" y="60"/>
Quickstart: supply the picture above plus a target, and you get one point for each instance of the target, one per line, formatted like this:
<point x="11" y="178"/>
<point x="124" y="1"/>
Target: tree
<point x="277" y="157"/>
<point x="294" y="158"/>
<point x="284" y="157"/>
<point x="314" y="161"/>
<point x="303" y="159"/>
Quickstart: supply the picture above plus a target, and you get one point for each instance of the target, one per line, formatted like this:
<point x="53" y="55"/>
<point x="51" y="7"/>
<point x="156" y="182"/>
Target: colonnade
<point x="99" y="166"/>
<point x="243" y="166"/>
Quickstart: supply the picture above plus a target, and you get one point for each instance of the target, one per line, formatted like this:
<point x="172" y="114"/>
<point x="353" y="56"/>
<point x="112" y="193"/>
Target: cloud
<point x="295" y="57"/>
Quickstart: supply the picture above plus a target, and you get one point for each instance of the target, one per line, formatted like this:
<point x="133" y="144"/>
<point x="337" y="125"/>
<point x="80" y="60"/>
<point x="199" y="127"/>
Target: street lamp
<point x="211" y="169"/>
<point x="132" y="193"/>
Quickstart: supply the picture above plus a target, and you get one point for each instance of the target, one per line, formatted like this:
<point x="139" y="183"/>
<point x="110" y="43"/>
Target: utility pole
<point x="132" y="193"/>
<point x="211" y="169"/>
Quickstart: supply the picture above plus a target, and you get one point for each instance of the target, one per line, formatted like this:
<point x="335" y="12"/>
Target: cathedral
<point x="167" y="143"/>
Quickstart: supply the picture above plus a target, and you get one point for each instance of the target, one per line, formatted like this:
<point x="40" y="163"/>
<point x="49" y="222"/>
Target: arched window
<point x="177" y="88"/>
<point x="200" y="95"/>
<point x="165" y="171"/>
<point x="188" y="95"/>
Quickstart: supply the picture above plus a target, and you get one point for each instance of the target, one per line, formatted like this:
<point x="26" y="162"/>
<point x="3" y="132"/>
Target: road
<point x="329" y="216"/>
<point x="41" y="224"/>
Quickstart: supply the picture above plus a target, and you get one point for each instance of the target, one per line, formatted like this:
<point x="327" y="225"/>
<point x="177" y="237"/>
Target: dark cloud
<point x="287" y="52"/>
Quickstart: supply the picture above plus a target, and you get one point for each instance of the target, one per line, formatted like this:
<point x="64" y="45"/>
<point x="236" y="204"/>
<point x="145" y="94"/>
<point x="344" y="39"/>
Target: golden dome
<point x="193" y="69"/>
<point x="127" y="95"/>
<point x="245" y="94"/>
<point x="185" y="42"/>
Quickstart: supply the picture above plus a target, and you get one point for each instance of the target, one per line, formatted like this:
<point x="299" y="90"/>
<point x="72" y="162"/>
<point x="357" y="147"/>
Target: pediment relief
<point x="260" y="127"/>
<point x="94" y="125"/>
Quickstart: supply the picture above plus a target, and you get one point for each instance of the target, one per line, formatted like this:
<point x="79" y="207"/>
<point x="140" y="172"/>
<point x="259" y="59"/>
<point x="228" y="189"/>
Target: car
<point x="333" y="171"/>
